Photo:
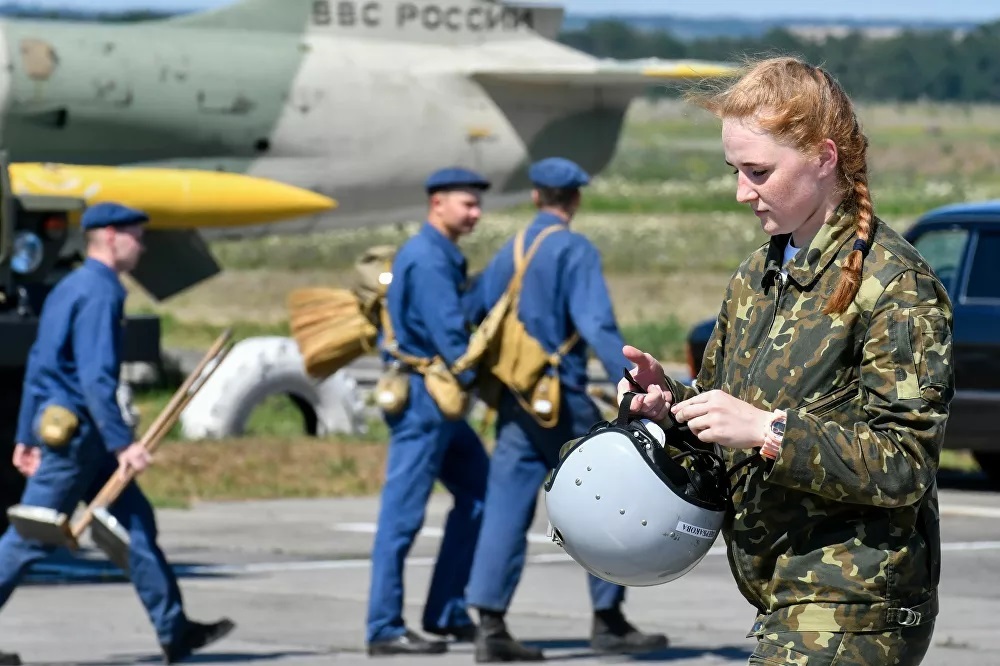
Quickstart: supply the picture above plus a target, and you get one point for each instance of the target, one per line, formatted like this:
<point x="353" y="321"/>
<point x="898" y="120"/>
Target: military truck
<point x="961" y="242"/>
<point x="37" y="248"/>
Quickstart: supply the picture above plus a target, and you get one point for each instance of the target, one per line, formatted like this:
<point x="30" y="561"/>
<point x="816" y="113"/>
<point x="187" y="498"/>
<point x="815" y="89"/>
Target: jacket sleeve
<point x="29" y="407"/>
<point x="907" y="380"/>
<point x="438" y="302"/>
<point x="486" y="287"/>
<point x="591" y="311"/>
<point x="474" y="300"/>
<point x="97" y="336"/>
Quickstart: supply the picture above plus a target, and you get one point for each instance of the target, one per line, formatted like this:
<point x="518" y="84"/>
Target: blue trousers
<point x="424" y="448"/>
<point x="77" y="472"/>
<point x="524" y="454"/>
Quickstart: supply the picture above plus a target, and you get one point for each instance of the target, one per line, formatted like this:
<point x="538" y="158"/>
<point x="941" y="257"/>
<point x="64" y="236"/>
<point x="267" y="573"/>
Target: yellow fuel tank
<point x="173" y="198"/>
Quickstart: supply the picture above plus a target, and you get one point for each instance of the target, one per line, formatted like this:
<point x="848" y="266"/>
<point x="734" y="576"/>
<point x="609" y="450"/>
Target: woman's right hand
<point x="655" y="403"/>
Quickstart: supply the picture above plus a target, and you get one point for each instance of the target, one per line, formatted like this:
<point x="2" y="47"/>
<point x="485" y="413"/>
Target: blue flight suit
<point x="425" y="306"/>
<point x="563" y="290"/>
<point x="75" y="362"/>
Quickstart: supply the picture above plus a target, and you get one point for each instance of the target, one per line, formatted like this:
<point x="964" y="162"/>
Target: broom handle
<point x="159" y="428"/>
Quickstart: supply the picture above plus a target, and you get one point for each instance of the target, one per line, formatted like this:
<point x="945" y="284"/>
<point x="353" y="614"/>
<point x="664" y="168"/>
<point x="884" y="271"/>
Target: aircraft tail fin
<point x="606" y="72"/>
<point x="264" y="15"/>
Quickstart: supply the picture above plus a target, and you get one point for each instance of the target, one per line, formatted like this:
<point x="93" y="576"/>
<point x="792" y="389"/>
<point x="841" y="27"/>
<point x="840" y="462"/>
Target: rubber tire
<point x="258" y="368"/>
<point x="989" y="462"/>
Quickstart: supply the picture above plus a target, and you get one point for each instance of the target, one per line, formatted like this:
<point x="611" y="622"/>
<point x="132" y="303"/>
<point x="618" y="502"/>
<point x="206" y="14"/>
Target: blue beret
<point x="111" y="215"/>
<point x="558" y="172"/>
<point x="455" y="178"/>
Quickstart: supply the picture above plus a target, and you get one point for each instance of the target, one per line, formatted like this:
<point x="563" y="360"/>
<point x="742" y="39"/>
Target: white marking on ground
<point x="970" y="510"/>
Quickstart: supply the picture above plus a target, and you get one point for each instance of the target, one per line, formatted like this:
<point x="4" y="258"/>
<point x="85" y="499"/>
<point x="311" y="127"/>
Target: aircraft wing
<point x="606" y="72"/>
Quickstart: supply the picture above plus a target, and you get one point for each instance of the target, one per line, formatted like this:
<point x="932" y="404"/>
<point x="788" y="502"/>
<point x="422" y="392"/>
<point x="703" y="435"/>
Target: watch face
<point x="778" y="428"/>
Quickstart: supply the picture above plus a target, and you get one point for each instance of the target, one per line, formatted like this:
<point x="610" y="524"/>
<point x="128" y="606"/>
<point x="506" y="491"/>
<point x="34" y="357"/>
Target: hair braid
<point x="850" y="271"/>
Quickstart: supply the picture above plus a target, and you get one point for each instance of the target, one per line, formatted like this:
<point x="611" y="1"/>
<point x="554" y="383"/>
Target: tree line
<point x="941" y="65"/>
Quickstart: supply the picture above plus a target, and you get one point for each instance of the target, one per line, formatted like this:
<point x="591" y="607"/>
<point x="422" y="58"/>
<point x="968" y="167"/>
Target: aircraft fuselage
<point x="358" y="119"/>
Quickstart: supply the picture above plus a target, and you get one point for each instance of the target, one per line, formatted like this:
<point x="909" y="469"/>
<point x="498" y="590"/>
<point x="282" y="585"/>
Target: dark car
<point x="961" y="242"/>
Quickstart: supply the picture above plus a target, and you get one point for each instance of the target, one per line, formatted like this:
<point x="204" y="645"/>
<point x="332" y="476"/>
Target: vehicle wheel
<point x="989" y="462"/>
<point x="258" y="368"/>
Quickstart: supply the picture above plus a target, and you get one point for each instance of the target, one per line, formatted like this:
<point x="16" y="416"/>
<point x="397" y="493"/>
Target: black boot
<point x="494" y="642"/>
<point x="409" y="642"/>
<point x="462" y="633"/>
<point x="612" y="634"/>
<point x="9" y="659"/>
<point x="196" y="636"/>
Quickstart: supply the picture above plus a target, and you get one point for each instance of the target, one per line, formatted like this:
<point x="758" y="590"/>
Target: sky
<point x="979" y="10"/>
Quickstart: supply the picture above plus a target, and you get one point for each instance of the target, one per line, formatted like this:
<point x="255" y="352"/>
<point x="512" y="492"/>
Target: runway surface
<point x="294" y="576"/>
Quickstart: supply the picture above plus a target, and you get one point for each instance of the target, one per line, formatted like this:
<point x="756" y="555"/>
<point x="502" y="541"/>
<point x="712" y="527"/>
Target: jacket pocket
<point x="828" y="402"/>
<point x="931" y="341"/>
<point x="922" y="355"/>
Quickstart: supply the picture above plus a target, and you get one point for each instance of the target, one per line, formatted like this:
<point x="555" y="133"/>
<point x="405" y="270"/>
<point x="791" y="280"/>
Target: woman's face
<point x="786" y="190"/>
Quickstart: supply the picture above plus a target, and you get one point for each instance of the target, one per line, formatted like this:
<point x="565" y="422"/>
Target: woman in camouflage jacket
<point x="837" y="334"/>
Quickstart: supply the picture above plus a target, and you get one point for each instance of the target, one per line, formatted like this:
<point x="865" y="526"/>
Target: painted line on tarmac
<point x="96" y="571"/>
<point x="430" y="532"/>
<point x="970" y="511"/>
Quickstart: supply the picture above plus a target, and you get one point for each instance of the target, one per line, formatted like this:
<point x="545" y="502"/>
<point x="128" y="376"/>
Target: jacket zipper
<point x="827" y="404"/>
<point x="767" y="338"/>
<point x="747" y="587"/>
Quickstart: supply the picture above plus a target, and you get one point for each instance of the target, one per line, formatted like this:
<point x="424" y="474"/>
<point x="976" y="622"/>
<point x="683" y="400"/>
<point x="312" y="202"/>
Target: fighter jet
<point x="354" y="100"/>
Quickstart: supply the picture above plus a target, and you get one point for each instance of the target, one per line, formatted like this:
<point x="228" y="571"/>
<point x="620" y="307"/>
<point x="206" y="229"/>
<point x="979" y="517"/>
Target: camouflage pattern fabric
<point x="841" y="532"/>
<point x="902" y="647"/>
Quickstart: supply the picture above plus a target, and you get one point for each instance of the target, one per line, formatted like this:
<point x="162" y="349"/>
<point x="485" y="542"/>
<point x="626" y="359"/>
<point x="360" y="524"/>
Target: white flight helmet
<point x="626" y="510"/>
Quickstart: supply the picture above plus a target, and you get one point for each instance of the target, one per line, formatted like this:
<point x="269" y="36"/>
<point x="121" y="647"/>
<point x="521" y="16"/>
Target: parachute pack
<point x="333" y="326"/>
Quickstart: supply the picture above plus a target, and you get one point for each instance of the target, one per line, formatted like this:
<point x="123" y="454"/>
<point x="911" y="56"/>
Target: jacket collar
<point x="811" y="261"/>
<point x="438" y="240"/>
<point x="106" y="273"/>
<point x="547" y="220"/>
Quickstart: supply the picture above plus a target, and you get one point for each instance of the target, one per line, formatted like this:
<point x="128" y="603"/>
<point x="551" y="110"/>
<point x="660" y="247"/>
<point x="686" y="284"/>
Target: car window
<point x="984" y="278"/>
<point x="943" y="249"/>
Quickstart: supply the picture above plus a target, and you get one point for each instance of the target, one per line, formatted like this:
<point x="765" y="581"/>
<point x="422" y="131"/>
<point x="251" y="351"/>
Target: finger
<point x="623" y="388"/>
<point x="686" y="412"/>
<point x="635" y="355"/>
<point x="646" y="406"/>
<point x="700" y="399"/>
<point x="662" y="413"/>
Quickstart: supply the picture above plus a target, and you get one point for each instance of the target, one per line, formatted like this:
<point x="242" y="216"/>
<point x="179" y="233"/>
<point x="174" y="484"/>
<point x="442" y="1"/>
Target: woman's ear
<point x="829" y="159"/>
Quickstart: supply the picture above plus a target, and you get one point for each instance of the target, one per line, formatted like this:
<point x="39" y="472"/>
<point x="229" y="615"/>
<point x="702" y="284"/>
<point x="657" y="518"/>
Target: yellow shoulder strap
<point x="520" y="266"/>
<point x="521" y="262"/>
<point x="389" y="340"/>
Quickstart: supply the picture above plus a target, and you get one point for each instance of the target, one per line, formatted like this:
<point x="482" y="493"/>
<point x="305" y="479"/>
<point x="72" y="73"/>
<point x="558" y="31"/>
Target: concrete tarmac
<point x="294" y="576"/>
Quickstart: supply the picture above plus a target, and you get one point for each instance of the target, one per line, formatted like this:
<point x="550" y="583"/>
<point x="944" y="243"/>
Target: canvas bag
<point x="507" y="355"/>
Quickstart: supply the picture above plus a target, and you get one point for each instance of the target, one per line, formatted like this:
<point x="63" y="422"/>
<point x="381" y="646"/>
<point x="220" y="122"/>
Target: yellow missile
<point x="173" y="198"/>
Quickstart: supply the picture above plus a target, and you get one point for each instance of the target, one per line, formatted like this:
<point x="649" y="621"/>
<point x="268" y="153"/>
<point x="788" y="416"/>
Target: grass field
<point x="664" y="217"/>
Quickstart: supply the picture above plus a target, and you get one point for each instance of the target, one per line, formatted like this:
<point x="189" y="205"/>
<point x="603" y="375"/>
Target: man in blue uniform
<point x="425" y="311"/>
<point x="563" y="291"/>
<point x="73" y="369"/>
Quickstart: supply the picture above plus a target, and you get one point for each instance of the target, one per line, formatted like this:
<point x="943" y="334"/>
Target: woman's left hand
<point x="719" y="418"/>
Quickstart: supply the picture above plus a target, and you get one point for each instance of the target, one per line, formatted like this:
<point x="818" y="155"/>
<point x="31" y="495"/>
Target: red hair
<point x="802" y="105"/>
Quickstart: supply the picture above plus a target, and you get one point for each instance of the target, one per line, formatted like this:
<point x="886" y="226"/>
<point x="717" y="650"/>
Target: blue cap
<point x="111" y="215"/>
<point x="559" y="173"/>
<point x="455" y="178"/>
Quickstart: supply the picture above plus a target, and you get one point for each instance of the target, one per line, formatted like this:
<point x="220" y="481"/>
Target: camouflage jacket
<point x="841" y="532"/>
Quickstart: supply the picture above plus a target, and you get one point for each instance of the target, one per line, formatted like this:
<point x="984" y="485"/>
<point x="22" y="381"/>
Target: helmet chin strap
<point x="684" y="440"/>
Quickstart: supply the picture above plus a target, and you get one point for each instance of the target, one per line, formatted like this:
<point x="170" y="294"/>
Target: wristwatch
<point x="774" y="435"/>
